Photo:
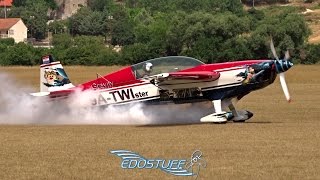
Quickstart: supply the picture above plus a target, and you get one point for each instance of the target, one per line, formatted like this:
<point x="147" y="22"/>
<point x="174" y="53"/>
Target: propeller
<point x="281" y="67"/>
<point x="273" y="50"/>
<point x="284" y="87"/>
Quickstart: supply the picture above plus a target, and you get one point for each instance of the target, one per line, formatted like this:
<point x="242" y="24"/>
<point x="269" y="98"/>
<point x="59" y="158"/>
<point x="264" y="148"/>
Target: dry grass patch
<point x="281" y="141"/>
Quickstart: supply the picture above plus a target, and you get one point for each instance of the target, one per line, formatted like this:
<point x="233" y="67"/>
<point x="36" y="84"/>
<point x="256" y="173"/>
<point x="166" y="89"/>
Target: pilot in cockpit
<point x="147" y="68"/>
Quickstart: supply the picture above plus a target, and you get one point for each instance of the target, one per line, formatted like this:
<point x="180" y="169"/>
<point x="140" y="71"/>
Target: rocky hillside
<point x="69" y="7"/>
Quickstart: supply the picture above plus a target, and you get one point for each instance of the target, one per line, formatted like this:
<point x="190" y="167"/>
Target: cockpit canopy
<point x="164" y="65"/>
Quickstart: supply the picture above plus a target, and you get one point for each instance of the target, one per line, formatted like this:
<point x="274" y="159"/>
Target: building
<point x="6" y="3"/>
<point x="13" y="28"/>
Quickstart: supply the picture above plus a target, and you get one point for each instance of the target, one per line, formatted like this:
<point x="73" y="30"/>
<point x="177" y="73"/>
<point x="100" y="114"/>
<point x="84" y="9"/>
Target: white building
<point x="13" y="28"/>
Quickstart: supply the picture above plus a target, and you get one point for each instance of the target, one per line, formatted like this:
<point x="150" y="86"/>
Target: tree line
<point x="210" y="30"/>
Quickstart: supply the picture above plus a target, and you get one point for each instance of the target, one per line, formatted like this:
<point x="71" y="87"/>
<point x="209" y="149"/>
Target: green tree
<point x="87" y="22"/>
<point x="101" y="5"/>
<point x="58" y="27"/>
<point x="84" y="51"/>
<point x="62" y="41"/>
<point x="233" y="6"/>
<point x="136" y="53"/>
<point x="288" y="30"/>
<point x="190" y="33"/>
<point x="34" y="15"/>
<point x="157" y="5"/>
<point x="121" y="28"/>
<point x="153" y="32"/>
<point x="49" y="3"/>
<point x="107" y="57"/>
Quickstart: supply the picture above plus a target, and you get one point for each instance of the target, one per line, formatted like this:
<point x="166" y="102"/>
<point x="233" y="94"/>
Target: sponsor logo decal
<point x="102" y="85"/>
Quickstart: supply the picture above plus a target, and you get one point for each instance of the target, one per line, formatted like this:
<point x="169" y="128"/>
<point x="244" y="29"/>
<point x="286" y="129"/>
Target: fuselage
<point x="236" y="80"/>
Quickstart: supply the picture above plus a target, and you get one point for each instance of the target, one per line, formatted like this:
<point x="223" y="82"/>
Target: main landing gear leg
<point x="241" y="115"/>
<point x="218" y="117"/>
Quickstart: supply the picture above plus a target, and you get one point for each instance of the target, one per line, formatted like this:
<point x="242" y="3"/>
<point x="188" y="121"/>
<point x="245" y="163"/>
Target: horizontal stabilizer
<point x="40" y="94"/>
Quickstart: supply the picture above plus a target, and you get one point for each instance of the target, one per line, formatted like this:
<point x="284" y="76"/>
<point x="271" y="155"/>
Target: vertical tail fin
<point x="52" y="75"/>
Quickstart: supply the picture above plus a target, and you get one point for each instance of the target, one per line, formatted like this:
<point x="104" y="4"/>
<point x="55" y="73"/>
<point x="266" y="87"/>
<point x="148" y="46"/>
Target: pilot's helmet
<point x="148" y="67"/>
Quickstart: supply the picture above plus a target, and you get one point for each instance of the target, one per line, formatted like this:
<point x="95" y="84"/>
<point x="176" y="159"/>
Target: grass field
<point x="281" y="141"/>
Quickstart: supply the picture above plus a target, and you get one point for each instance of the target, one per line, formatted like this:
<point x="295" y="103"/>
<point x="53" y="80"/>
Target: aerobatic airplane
<point x="173" y="79"/>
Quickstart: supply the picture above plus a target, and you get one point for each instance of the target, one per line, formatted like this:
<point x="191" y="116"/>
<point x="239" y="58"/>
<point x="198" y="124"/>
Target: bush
<point x="136" y="53"/>
<point x="19" y="54"/>
<point x="7" y="41"/>
<point x="312" y="54"/>
<point x="106" y="57"/>
<point x="62" y="41"/>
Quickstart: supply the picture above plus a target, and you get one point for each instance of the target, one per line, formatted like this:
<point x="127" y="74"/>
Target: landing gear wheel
<point x="239" y="121"/>
<point x="224" y="122"/>
<point x="242" y="116"/>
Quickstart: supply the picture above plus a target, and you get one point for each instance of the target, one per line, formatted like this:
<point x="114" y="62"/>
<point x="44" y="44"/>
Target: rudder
<point x="52" y="75"/>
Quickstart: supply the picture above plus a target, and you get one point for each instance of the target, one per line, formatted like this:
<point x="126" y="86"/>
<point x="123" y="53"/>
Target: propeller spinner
<point x="281" y="67"/>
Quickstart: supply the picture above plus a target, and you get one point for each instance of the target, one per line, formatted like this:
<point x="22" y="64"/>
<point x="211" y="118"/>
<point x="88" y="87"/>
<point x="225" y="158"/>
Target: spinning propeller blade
<point x="273" y="50"/>
<point x="287" y="55"/>
<point x="284" y="86"/>
<point x="281" y="67"/>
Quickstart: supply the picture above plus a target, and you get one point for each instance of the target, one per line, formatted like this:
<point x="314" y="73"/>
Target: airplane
<point x="173" y="79"/>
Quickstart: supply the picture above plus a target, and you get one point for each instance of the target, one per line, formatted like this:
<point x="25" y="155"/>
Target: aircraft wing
<point x="194" y="75"/>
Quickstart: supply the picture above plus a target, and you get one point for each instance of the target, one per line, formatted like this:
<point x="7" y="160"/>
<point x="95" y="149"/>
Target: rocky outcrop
<point x="68" y="7"/>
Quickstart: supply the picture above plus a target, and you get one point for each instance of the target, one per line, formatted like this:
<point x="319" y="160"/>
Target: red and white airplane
<point x="173" y="79"/>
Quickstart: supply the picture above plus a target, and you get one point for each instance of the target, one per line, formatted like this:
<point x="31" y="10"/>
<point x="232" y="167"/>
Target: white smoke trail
<point x="18" y="107"/>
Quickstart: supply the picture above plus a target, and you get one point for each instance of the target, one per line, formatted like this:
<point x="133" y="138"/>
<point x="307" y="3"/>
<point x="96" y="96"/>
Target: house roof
<point x="6" y="24"/>
<point x="7" y="3"/>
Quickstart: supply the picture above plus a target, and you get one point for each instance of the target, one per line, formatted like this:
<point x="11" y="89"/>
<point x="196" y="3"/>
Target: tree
<point x="57" y="27"/>
<point x="101" y="5"/>
<point x="190" y="5"/>
<point x="34" y="15"/>
<point x="153" y="32"/>
<point x="107" y="57"/>
<point x="62" y="41"/>
<point x="136" y="53"/>
<point x="49" y="3"/>
<point x="288" y="30"/>
<point x="121" y="28"/>
<point x="87" y="22"/>
<point x="85" y="50"/>
<point x="197" y="33"/>
<point x="157" y="5"/>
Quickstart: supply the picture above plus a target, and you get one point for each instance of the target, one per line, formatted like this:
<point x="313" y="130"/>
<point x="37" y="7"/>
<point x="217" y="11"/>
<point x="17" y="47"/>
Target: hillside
<point x="313" y="19"/>
<point x="311" y="11"/>
<point x="312" y="15"/>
